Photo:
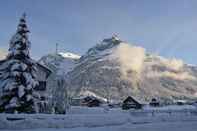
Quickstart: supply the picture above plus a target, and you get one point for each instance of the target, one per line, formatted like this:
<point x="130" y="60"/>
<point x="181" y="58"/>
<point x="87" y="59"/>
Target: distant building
<point x="131" y="103"/>
<point x="90" y="101"/>
<point x="154" y="102"/>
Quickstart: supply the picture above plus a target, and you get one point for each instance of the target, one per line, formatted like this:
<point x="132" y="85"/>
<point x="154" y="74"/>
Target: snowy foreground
<point x="97" y="119"/>
<point x="167" y="126"/>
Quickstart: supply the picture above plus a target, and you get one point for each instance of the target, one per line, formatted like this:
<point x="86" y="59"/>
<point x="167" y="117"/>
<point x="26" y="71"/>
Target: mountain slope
<point x="115" y="69"/>
<point x="60" y="63"/>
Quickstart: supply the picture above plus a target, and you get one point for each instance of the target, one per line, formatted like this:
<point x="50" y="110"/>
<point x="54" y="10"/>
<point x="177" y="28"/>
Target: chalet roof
<point x="47" y="70"/>
<point x="130" y="99"/>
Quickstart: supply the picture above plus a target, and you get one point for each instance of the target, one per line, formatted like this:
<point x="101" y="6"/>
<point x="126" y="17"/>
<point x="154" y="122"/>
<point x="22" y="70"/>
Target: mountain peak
<point x="105" y="44"/>
<point x="114" y="39"/>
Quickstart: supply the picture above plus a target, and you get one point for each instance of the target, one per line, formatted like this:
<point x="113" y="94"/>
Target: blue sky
<point x="165" y="27"/>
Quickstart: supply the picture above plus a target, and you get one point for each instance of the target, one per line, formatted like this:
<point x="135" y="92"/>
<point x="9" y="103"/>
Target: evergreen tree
<point x="17" y="74"/>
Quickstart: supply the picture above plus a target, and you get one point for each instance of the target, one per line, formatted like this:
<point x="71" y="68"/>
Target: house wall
<point x="41" y="75"/>
<point x="41" y="78"/>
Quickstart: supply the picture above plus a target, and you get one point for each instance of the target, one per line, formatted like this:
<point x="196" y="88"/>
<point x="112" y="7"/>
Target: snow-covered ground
<point x="97" y="119"/>
<point x="167" y="126"/>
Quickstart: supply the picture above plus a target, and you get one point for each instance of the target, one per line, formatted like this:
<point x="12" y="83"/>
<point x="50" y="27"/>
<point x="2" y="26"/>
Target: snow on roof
<point x="91" y="94"/>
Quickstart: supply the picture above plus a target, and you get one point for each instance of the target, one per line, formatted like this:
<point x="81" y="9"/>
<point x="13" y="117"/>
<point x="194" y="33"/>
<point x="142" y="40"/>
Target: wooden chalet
<point x="131" y="103"/>
<point x="154" y="102"/>
<point x="90" y="101"/>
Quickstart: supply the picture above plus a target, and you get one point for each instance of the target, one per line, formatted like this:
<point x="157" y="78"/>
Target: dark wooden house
<point x="90" y="101"/>
<point x="131" y="103"/>
<point x="154" y="102"/>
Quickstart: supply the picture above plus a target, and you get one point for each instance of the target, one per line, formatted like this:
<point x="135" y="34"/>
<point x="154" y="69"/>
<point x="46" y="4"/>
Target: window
<point x="41" y="86"/>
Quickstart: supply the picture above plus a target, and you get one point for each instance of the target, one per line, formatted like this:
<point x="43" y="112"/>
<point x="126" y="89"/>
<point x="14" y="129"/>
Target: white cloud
<point x="173" y="64"/>
<point x="3" y="53"/>
<point x="175" y="76"/>
<point x="131" y="58"/>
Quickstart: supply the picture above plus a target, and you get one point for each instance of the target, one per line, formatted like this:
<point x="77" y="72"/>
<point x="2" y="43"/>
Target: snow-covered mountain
<point x="115" y="69"/>
<point x="60" y="63"/>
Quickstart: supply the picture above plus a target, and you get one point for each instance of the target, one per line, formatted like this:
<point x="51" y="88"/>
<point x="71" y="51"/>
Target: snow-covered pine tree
<point x="18" y="74"/>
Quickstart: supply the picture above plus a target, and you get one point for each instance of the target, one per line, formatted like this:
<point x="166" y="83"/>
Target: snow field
<point x="98" y="117"/>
